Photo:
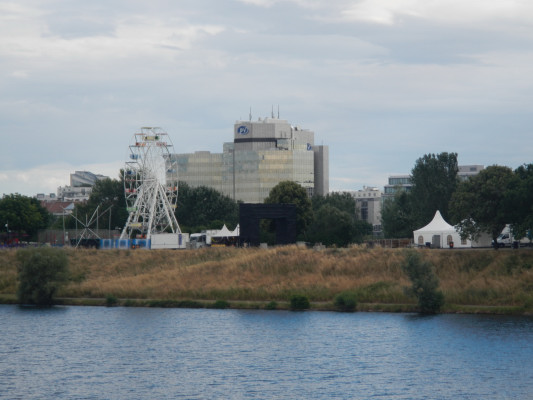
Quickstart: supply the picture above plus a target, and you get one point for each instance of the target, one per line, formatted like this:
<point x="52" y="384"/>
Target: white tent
<point x="439" y="234"/>
<point x="224" y="232"/>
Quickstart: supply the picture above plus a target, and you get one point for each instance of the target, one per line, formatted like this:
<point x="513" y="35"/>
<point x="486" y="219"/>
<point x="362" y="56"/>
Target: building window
<point x="421" y="240"/>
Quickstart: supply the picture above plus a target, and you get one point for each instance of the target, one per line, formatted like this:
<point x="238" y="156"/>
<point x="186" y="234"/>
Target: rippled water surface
<point x="140" y="353"/>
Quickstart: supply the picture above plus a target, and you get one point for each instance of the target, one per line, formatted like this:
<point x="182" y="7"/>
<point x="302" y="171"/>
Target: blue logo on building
<point x="309" y="147"/>
<point x="242" y="130"/>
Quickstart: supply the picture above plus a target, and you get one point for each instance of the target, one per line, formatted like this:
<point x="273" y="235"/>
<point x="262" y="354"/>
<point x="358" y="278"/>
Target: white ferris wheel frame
<point x="150" y="185"/>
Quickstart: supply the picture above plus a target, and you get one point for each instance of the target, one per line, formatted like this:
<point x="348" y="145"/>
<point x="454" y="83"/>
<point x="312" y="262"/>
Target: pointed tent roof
<point x="236" y="231"/>
<point x="438" y="224"/>
<point x="224" y="232"/>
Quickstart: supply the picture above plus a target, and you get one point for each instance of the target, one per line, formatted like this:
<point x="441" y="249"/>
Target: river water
<point x="142" y="353"/>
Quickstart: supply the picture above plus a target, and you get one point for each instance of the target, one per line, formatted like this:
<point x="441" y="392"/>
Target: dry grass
<point x="477" y="277"/>
<point x="8" y="271"/>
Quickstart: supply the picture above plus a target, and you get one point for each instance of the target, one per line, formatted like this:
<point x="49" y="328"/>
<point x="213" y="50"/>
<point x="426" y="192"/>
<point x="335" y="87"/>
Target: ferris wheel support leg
<point x="153" y="201"/>
<point x="169" y="213"/>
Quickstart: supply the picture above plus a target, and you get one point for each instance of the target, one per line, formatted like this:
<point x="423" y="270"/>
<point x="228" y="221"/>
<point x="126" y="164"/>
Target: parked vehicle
<point x="202" y="239"/>
<point x="507" y="239"/>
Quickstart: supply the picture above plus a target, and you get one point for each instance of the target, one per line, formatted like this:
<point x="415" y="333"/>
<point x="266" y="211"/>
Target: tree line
<point x="485" y="202"/>
<point x="329" y="219"/>
<point x="482" y="203"/>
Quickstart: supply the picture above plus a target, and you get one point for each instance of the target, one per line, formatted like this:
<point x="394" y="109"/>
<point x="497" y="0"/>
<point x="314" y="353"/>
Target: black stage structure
<point x="250" y="215"/>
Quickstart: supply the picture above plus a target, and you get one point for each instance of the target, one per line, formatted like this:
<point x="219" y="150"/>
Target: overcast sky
<point x="382" y="82"/>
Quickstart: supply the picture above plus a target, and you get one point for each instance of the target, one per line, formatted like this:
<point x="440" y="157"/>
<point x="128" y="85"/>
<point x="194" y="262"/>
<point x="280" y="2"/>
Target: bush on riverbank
<point x="299" y="302"/>
<point x="41" y="272"/>
<point x="424" y="283"/>
<point x="345" y="302"/>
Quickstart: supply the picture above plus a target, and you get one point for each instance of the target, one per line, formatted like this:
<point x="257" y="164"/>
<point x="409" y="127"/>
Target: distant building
<point x="403" y="182"/>
<point x="85" y="179"/>
<point x="368" y="203"/>
<point x="81" y="183"/>
<point x="397" y="183"/>
<point x="263" y="153"/>
<point x="46" y="197"/>
<point x="58" y="208"/>
<point x="466" y="171"/>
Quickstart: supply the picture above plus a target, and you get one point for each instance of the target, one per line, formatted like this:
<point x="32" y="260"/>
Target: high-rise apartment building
<point x="262" y="154"/>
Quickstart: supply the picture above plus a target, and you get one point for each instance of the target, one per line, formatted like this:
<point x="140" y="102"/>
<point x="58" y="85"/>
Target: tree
<point x="23" y="214"/>
<point x="335" y="222"/>
<point x="41" y="271"/>
<point x="204" y="208"/>
<point x="424" y="283"/>
<point x="108" y="195"/>
<point x="397" y="216"/>
<point x="479" y="203"/>
<point x="344" y="201"/>
<point x="331" y="226"/>
<point x="434" y="179"/>
<point x="288" y="192"/>
<point x="519" y="201"/>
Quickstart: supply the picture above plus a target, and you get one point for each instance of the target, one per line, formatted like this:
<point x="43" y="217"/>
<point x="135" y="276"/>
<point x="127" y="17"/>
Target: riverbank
<point x="473" y="281"/>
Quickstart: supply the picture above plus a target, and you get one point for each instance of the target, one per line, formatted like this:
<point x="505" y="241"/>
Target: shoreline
<point x="280" y="306"/>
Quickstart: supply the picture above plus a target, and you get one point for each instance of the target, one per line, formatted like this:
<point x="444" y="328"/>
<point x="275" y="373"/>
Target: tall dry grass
<point x="8" y="271"/>
<point x="477" y="277"/>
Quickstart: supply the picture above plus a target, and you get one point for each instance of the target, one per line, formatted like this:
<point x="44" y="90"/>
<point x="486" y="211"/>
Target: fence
<point x="58" y="237"/>
<point x="390" y="243"/>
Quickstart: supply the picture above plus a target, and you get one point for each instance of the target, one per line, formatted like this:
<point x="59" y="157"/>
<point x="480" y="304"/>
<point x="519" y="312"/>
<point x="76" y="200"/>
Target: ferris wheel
<point x="150" y="185"/>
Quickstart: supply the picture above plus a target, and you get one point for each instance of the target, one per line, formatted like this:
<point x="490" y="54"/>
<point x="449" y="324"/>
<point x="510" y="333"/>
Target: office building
<point x="263" y="153"/>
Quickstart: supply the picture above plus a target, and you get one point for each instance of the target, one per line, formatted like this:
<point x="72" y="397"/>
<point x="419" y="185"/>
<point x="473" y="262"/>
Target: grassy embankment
<point x="471" y="280"/>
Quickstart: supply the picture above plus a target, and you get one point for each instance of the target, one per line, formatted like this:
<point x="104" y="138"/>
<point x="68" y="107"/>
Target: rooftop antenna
<point x="278" y="111"/>
<point x="272" y="113"/>
<point x="250" y="115"/>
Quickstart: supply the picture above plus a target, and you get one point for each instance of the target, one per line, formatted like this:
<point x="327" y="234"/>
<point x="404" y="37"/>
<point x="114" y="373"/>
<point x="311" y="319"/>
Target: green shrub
<point x="345" y="302"/>
<point x="190" y="304"/>
<point x="41" y="272"/>
<point x="175" y="304"/>
<point x="111" y="300"/>
<point x="220" y="304"/>
<point x="299" y="302"/>
<point x="424" y="283"/>
<point x="271" y="306"/>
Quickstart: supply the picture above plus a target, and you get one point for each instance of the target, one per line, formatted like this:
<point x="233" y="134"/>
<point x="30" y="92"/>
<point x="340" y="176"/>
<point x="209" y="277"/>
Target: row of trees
<point x="327" y="219"/>
<point x="483" y="203"/>
<point x="21" y="217"/>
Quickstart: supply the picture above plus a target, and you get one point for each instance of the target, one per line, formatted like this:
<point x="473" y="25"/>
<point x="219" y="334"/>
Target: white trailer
<point x="169" y="241"/>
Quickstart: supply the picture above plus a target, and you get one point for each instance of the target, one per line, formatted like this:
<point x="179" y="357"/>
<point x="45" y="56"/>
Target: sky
<point x="381" y="82"/>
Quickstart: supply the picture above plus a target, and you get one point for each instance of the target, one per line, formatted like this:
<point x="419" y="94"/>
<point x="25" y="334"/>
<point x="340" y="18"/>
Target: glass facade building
<point x="262" y="154"/>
